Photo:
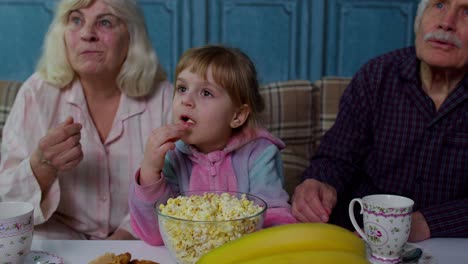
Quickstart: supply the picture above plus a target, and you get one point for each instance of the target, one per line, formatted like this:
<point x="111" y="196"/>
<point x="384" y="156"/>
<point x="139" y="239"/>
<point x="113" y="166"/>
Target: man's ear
<point x="240" y="116"/>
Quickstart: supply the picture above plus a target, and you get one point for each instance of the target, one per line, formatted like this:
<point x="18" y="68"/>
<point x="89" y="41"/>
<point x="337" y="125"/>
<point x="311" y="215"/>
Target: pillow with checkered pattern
<point x="8" y="91"/>
<point x="292" y="113"/>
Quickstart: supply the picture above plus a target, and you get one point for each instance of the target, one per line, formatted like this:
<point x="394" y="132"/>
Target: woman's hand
<point x="58" y="150"/>
<point x="161" y="141"/>
<point x="313" y="201"/>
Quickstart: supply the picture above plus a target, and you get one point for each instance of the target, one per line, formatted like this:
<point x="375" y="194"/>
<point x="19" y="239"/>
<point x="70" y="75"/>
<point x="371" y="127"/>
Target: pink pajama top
<point x="89" y="201"/>
<point x="251" y="162"/>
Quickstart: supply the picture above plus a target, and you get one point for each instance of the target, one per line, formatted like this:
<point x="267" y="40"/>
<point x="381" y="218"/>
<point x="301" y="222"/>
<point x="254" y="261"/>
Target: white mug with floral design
<point x="387" y="223"/>
<point x="16" y="231"/>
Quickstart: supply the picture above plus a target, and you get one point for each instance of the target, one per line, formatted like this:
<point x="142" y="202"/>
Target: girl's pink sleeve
<point x="141" y="202"/>
<point x="278" y="216"/>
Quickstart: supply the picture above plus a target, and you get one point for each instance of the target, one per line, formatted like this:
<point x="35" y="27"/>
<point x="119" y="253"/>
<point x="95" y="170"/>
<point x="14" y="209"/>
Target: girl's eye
<point x="181" y="89"/>
<point x="439" y="5"/>
<point x="207" y="93"/>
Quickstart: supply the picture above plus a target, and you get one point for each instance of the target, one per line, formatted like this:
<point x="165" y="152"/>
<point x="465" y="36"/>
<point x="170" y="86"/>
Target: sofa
<point x="300" y="112"/>
<point x="297" y="111"/>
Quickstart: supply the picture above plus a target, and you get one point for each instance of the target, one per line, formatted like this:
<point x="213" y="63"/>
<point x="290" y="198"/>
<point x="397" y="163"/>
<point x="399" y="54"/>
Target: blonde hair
<point x="138" y="73"/>
<point x="231" y="69"/>
<point x="421" y="8"/>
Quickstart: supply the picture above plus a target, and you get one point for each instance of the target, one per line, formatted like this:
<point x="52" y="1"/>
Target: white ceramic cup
<point x="387" y="223"/>
<point x="16" y="231"/>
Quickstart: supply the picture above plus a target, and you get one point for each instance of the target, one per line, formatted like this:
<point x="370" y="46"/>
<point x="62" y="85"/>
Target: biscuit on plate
<point x="143" y="261"/>
<point x="124" y="258"/>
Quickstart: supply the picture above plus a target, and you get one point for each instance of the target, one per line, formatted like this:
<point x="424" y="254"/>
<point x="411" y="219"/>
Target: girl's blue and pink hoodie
<point x="250" y="163"/>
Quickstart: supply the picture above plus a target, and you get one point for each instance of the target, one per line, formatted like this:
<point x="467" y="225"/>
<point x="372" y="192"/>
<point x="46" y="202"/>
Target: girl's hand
<point x="159" y="143"/>
<point x="58" y="150"/>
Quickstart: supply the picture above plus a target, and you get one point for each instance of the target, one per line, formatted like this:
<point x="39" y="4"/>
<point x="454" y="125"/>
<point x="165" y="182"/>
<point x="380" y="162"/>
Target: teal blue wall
<point x="287" y="39"/>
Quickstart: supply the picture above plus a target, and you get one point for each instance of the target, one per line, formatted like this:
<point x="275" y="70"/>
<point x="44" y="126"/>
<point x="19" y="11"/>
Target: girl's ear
<point x="240" y="116"/>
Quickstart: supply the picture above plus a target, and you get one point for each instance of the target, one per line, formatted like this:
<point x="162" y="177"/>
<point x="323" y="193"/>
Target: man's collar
<point x="410" y="67"/>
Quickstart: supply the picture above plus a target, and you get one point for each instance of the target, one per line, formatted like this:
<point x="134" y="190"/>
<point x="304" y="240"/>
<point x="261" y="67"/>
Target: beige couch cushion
<point x="292" y="113"/>
<point x="8" y="91"/>
<point x="331" y="90"/>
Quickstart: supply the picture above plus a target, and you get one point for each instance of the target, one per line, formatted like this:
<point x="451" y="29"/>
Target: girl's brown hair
<point x="232" y="69"/>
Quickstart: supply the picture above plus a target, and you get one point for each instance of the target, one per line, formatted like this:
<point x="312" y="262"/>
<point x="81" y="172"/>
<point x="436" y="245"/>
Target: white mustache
<point x="443" y="36"/>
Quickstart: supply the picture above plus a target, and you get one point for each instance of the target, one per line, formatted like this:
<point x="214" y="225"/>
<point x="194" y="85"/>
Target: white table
<point x="83" y="251"/>
<point x="444" y="250"/>
<point x="447" y="250"/>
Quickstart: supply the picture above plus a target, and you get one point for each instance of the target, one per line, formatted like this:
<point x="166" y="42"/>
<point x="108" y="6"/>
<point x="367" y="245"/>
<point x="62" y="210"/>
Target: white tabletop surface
<point x="444" y="250"/>
<point x="83" y="251"/>
<point x="447" y="250"/>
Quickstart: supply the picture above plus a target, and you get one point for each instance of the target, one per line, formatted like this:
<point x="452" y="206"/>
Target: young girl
<point x="215" y="142"/>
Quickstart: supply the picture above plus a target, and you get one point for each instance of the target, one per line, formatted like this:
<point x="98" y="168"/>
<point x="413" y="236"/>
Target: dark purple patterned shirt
<point x="389" y="138"/>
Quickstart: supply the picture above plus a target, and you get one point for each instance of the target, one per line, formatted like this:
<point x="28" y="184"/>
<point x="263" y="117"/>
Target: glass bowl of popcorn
<point x="193" y="223"/>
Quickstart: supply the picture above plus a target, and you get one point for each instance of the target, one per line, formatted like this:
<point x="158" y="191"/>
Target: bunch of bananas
<point x="293" y="243"/>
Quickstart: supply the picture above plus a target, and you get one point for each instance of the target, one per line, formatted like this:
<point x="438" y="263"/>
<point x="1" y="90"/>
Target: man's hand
<point x="313" y="201"/>
<point x="419" y="228"/>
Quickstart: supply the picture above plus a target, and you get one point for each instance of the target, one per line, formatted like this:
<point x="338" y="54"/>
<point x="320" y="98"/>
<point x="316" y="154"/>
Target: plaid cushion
<point x="8" y="91"/>
<point x="331" y="90"/>
<point x="292" y="113"/>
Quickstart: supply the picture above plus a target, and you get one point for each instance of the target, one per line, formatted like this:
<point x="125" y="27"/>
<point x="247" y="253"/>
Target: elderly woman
<point x="402" y="128"/>
<point x="78" y="127"/>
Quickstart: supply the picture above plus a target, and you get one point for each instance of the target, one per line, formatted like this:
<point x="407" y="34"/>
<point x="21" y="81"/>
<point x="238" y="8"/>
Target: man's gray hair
<point x="421" y="8"/>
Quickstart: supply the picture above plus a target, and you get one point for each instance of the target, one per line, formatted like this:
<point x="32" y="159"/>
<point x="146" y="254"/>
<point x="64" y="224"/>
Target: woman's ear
<point x="240" y="116"/>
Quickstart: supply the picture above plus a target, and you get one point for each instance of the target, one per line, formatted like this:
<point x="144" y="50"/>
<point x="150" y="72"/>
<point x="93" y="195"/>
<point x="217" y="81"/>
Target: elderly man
<point x="402" y="129"/>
